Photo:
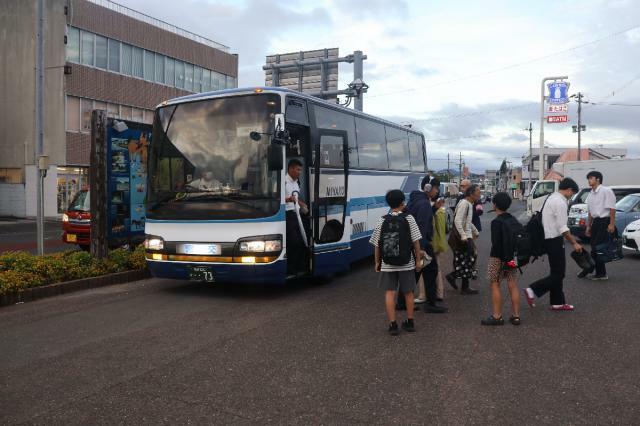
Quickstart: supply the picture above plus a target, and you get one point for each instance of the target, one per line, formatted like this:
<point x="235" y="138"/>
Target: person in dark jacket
<point x="419" y="207"/>
<point x="501" y="263"/>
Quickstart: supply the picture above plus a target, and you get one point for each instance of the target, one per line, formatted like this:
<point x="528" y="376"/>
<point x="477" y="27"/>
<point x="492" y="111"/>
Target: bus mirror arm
<point x="280" y="137"/>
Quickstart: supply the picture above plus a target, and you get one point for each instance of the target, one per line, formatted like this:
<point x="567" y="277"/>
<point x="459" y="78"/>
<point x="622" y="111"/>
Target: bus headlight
<point x="252" y="246"/>
<point x="153" y="243"/>
<point x="269" y="244"/>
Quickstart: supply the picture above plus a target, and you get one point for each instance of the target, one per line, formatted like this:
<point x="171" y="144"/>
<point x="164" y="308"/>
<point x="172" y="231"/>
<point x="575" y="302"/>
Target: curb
<point x="35" y="293"/>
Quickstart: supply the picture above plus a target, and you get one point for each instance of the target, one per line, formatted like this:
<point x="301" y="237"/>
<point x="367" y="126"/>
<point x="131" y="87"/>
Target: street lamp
<point x="542" y="91"/>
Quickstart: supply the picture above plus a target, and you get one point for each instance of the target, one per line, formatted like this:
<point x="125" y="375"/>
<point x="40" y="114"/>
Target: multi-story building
<point x="98" y="55"/>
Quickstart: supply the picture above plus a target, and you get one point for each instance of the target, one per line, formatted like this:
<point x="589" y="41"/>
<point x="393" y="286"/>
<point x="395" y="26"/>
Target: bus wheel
<point x="84" y="247"/>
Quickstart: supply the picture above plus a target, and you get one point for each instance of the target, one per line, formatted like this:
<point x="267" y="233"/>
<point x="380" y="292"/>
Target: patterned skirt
<point x="495" y="273"/>
<point x="464" y="265"/>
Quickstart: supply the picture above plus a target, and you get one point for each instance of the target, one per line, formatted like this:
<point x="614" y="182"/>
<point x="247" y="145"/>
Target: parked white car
<point x="631" y="236"/>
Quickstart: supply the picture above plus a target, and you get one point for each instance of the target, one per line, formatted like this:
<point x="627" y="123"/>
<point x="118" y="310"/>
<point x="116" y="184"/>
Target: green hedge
<point x="19" y="269"/>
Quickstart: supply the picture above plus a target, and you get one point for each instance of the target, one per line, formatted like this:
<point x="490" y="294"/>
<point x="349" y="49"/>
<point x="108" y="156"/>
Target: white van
<point x="539" y="193"/>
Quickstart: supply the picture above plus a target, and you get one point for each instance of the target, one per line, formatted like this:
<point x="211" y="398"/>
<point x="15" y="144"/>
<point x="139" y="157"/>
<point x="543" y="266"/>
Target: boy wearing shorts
<point x="501" y="263"/>
<point x="394" y="277"/>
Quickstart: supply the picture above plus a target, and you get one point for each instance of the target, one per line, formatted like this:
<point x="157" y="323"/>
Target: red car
<point x="76" y="221"/>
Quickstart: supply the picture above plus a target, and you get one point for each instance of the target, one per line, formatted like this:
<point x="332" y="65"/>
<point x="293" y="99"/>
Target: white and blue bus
<point x="215" y="205"/>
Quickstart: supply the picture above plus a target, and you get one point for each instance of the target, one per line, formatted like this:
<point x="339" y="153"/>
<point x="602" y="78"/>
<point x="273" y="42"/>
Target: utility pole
<point x="541" y="162"/>
<point x="460" y="170"/>
<point x="358" y="79"/>
<point x="40" y="160"/>
<point x="98" y="184"/>
<point x="579" y="128"/>
<point x="448" y="169"/>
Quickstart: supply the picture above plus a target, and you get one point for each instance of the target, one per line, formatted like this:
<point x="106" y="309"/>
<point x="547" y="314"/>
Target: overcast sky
<point x="467" y="73"/>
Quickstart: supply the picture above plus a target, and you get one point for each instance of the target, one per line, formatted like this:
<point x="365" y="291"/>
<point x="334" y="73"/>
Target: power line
<point x="614" y="104"/>
<point x="508" y="67"/>
<point x="480" y="112"/>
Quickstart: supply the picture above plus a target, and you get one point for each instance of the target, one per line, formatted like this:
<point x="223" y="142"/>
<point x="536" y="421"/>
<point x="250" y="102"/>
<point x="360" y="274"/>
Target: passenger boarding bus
<point x="216" y="192"/>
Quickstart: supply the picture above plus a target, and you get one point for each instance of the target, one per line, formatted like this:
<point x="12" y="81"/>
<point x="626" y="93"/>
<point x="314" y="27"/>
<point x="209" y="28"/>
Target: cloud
<point x="358" y="9"/>
<point x="248" y="29"/>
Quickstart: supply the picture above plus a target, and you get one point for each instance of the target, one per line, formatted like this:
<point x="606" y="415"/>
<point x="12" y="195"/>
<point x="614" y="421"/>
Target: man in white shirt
<point x="295" y="244"/>
<point x="554" y="221"/>
<point x="602" y="220"/>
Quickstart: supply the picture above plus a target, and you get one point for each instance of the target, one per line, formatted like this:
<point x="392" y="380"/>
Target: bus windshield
<point x="203" y="165"/>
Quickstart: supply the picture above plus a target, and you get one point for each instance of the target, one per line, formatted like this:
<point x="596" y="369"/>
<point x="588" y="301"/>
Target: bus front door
<point x="332" y="238"/>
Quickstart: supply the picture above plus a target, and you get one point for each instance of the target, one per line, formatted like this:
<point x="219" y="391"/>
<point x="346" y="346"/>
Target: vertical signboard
<point x="127" y="148"/>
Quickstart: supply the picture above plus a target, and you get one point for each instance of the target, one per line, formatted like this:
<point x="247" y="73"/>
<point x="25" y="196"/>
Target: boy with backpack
<point x="553" y="218"/>
<point x="507" y="248"/>
<point x="396" y="239"/>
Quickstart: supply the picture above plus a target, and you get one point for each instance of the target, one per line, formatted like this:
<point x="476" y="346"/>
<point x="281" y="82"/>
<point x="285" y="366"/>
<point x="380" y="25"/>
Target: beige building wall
<point x="17" y="85"/>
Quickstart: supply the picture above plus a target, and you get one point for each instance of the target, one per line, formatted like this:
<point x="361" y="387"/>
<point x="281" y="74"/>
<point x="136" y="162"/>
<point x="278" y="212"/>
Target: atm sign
<point x="558" y="119"/>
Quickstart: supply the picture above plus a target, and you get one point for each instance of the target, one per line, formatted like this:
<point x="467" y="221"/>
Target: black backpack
<point x="395" y="240"/>
<point x="517" y="242"/>
<point x="535" y="229"/>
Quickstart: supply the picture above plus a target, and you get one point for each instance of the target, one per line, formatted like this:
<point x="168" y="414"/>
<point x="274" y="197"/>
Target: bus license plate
<point x="72" y="238"/>
<point x="201" y="273"/>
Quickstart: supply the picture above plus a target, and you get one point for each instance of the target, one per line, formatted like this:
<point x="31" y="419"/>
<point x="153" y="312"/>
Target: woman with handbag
<point x="461" y="242"/>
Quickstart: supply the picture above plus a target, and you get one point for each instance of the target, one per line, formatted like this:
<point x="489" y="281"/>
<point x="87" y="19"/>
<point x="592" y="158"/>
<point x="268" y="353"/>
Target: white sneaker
<point x="419" y="301"/>
<point x="599" y="278"/>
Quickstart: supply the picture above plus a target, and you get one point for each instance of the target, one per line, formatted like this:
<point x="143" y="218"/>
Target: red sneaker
<point x="530" y="300"/>
<point x="564" y="307"/>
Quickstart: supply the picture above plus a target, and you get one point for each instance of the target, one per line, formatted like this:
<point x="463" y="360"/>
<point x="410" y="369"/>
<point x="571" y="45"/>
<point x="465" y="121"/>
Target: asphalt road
<point x="21" y="234"/>
<point x="159" y="351"/>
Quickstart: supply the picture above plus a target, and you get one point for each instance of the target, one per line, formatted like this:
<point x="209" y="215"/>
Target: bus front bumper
<point x="270" y="273"/>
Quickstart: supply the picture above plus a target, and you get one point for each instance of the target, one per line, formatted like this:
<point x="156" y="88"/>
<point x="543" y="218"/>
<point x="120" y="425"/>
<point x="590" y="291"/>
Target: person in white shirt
<point x="554" y="221"/>
<point x="602" y="220"/>
<point x="295" y="244"/>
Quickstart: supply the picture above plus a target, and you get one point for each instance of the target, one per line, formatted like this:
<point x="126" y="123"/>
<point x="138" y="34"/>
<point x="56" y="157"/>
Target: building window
<point x="101" y="52"/>
<point x="159" y="69"/>
<point x="114" y="55"/>
<point x="180" y="74"/>
<point x="125" y="112"/>
<point x="188" y="77"/>
<point x="100" y="105"/>
<point x="206" y="80"/>
<point x="136" y="115"/>
<point x="170" y="72"/>
<point x="197" y="79"/>
<point x="86" y="107"/>
<point x="149" y="65"/>
<point x="72" y="114"/>
<point x="86" y="53"/>
<point x="73" y="44"/>
<point x="148" y="116"/>
<point x="137" y="62"/>
<point x="113" y="111"/>
<point x="127" y="61"/>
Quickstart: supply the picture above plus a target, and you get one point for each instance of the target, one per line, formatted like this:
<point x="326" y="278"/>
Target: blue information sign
<point x="558" y="92"/>
<point x="127" y="181"/>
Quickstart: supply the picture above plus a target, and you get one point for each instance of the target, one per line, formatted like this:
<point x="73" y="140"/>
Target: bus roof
<point x="258" y="89"/>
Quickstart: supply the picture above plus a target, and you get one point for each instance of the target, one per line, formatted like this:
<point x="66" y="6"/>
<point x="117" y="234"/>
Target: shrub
<point x="20" y="270"/>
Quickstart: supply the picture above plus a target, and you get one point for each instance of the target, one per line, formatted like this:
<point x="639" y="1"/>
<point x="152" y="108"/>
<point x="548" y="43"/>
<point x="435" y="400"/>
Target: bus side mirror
<point x="274" y="157"/>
